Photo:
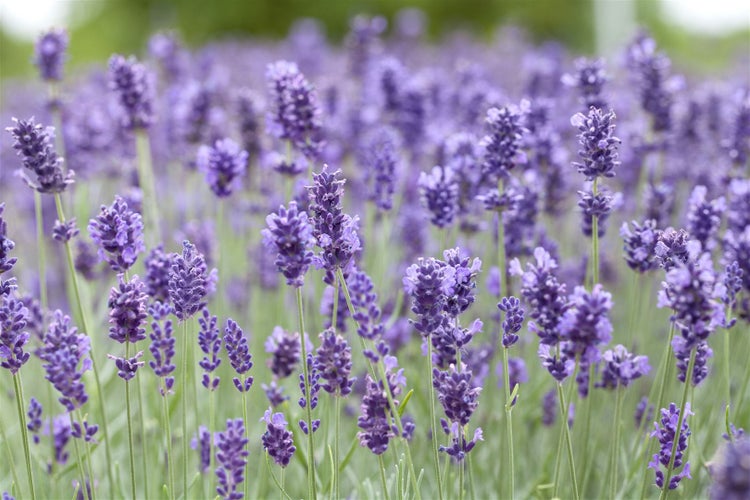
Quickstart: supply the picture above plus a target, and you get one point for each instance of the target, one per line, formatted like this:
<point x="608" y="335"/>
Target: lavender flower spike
<point x="50" y="54"/>
<point x="502" y="146"/>
<point x="598" y="144"/>
<point x="333" y="361"/>
<point x="438" y="193"/>
<point x="35" y="145"/>
<point x="731" y="472"/>
<point x="666" y="434"/>
<point x="210" y="343"/>
<point x="513" y="319"/>
<point x="13" y="337"/>
<point x="118" y="232"/>
<point x="277" y="440"/>
<point x="127" y="310"/>
<point x="188" y="281"/>
<point x="290" y="236"/>
<point x="162" y="346"/>
<point x="132" y="83"/>
<point x="231" y="457"/>
<point x="224" y="164"/>
<point x="621" y="367"/>
<point x="126" y="367"/>
<point x="239" y="354"/>
<point x="65" y="354"/>
<point x="6" y="245"/>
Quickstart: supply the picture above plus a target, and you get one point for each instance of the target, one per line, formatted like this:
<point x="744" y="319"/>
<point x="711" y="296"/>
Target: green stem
<point x="727" y="359"/>
<point x="146" y="182"/>
<point x="84" y="324"/>
<point x="461" y="471"/>
<point x="211" y="427"/>
<point x="680" y="420"/>
<point x="337" y="425"/>
<point x="335" y="312"/>
<point x="10" y="455"/>
<point x="433" y="424"/>
<point x="184" y="409"/>
<point x="41" y="249"/>
<point x="509" y="422"/>
<point x="566" y="430"/>
<point x="615" y="445"/>
<point x="170" y="455"/>
<point x="558" y="461"/>
<point x="311" y="486"/>
<point x="20" y="405"/>
<point x="595" y="239"/>
<point x="246" y="482"/>
<point x="142" y="429"/>
<point x="130" y="427"/>
<point x="79" y="461"/>
<point x="383" y="483"/>
<point x="88" y="459"/>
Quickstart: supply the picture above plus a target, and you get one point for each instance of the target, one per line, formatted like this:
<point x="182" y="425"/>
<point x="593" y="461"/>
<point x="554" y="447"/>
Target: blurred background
<point x="699" y="35"/>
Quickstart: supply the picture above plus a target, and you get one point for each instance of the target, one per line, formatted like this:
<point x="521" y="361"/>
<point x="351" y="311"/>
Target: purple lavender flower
<point x="202" y="443"/>
<point x="704" y="216"/>
<point x="672" y="248"/>
<point x="365" y="301"/>
<point x="118" y="232"/>
<point x="737" y="248"/>
<point x="247" y="111"/>
<point x="597" y="205"/>
<point x="544" y="294"/>
<point x="168" y="51"/>
<point x="333" y="361"/>
<point x="429" y="282"/>
<point x="231" y="457"/>
<point x="459" y="446"/>
<point x="438" y="193"/>
<point x="639" y="245"/>
<point x="736" y="144"/>
<point x="731" y="471"/>
<point x="559" y="366"/>
<point x="335" y="232"/>
<point x="65" y="354"/>
<point x="162" y="346"/>
<point x="239" y="354"/>
<point x="514" y="313"/>
<point x="589" y="78"/>
<point x="465" y="281"/>
<point x="224" y="164"/>
<point x="688" y="290"/>
<point x="294" y="112"/>
<point x="158" y="264"/>
<point x="666" y="435"/>
<point x="285" y="350"/>
<point x="50" y="54"/>
<point x="64" y="232"/>
<point x="210" y="343"/>
<point x="376" y="419"/>
<point x="34" y="413"/>
<point x="655" y="87"/>
<point x="290" y="236"/>
<point x="549" y="408"/>
<point x="8" y="496"/>
<point x="313" y="380"/>
<point x="6" y="245"/>
<point x="13" y="334"/>
<point x="274" y="393"/>
<point x="727" y="290"/>
<point x="682" y="353"/>
<point x="126" y="367"/>
<point x="659" y="200"/>
<point x="133" y="85"/>
<point x="585" y="325"/>
<point x="127" y="310"/>
<point x="380" y="157"/>
<point x="456" y="393"/>
<point x="502" y="146"/>
<point x="86" y="261"/>
<point x="84" y="431"/>
<point x="188" y="281"/>
<point x="277" y="440"/>
<point x="620" y="367"/>
<point x="598" y="144"/>
<point x="35" y="145"/>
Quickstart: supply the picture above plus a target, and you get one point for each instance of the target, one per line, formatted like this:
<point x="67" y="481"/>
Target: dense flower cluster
<point x="118" y="234"/>
<point x="224" y="164"/>
<point x="65" y="357"/>
<point x="132" y="83"/>
<point x="277" y="440"/>
<point x="231" y="457"/>
<point x="34" y="143"/>
<point x="50" y="54"/>
<point x="127" y="310"/>
<point x="239" y="355"/>
<point x="666" y="433"/>
<point x="290" y="236"/>
<point x="188" y="281"/>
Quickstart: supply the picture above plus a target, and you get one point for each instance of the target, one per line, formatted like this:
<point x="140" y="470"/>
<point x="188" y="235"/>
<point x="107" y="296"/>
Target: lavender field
<point x="383" y="269"/>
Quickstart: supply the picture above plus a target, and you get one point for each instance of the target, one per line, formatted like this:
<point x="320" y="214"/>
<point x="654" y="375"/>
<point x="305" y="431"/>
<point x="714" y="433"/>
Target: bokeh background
<point x="699" y="35"/>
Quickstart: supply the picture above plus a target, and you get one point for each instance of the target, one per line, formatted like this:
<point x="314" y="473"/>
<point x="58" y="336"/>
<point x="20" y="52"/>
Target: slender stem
<point x="170" y="455"/>
<point x="79" y="461"/>
<point x="595" y="239"/>
<point x="84" y="324"/>
<point x="142" y="429"/>
<point x="336" y="438"/>
<point x="566" y="430"/>
<point x="11" y="461"/>
<point x="92" y="494"/>
<point x="41" y="249"/>
<point x="727" y="360"/>
<point x="311" y="487"/>
<point x="383" y="483"/>
<point x="615" y="445"/>
<point x="184" y="409"/>
<point x="335" y="313"/>
<point x="558" y="461"/>
<point x="667" y="368"/>
<point x="130" y="427"/>
<point x="680" y="420"/>
<point x="509" y="422"/>
<point x="211" y="427"/>
<point x="469" y="468"/>
<point x="247" y="445"/>
<point x="461" y="472"/>
<point x="433" y="424"/>
<point x="146" y="182"/>
<point x="20" y="405"/>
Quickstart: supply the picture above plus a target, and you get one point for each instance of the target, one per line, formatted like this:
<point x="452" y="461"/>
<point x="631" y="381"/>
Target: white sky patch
<point x="708" y="16"/>
<point x="26" y="19"/>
